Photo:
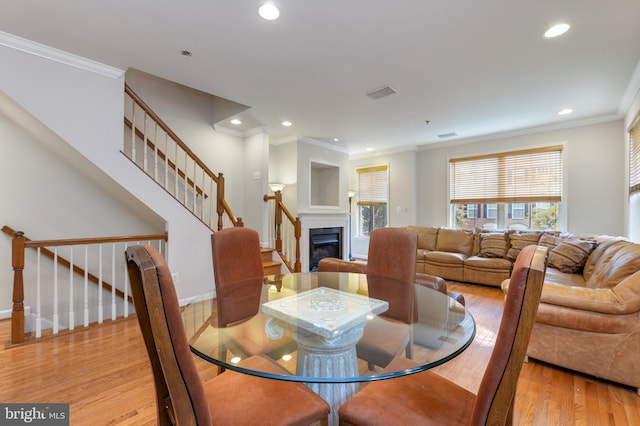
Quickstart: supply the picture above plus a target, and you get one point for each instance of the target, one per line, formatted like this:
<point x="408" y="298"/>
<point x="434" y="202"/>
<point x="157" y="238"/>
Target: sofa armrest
<point x="330" y="264"/>
<point x="602" y="300"/>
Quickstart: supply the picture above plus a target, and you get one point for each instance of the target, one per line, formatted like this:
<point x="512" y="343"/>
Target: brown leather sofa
<point x="330" y="264"/>
<point x="589" y="320"/>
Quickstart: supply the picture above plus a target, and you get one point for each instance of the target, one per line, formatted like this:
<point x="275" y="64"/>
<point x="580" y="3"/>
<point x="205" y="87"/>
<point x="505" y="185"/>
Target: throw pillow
<point x="493" y="244"/>
<point x="519" y="240"/>
<point x="549" y="241"/>
<point x="570" y="255"/>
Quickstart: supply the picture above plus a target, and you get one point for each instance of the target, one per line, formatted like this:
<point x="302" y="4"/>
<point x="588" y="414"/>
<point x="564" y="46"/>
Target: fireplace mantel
<point x="321" y="220"/>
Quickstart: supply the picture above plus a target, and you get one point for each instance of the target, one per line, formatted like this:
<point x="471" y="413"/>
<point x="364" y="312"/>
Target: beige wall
<point x="595" y="176"/>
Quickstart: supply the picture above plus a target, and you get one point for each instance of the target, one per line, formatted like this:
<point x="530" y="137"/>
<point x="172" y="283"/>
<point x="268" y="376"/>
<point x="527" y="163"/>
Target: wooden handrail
<point x="169" y="132"/>
<point x="280" y="208"/>
<point x="222" y="206"/>
<point x="20" y="243"/>
<point x="163" y="157"/>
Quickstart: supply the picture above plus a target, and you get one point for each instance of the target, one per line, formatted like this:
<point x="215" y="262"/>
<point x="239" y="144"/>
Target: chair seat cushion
<point x="238" y="399"/>
<point x="418" y="399"/>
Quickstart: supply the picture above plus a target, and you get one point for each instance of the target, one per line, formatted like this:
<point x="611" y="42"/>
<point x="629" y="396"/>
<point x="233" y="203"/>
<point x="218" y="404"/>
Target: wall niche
<point x="324" y="180"/>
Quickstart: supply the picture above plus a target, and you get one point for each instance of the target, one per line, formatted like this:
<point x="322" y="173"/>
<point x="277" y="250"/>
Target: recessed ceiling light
<point x="565" y="111"/>
<point x="269" y="11"/>
<point x="336" y="139"/>
<point x="556" y="30"/>
<point x="369" y="149"/>
<point x="287" y="123"/>
<point x="235" y="121"/>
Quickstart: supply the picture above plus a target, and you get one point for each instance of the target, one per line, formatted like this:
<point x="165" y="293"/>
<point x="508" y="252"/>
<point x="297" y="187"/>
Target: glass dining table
<point x="313" y="324"/>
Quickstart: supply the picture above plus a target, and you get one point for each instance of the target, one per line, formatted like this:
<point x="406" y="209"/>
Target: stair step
<point x="266" y="254"/>
<point x="271" y="267"/>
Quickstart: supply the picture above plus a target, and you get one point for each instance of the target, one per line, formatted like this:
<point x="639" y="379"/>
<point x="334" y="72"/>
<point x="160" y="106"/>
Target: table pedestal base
<point x="322" y="357"/>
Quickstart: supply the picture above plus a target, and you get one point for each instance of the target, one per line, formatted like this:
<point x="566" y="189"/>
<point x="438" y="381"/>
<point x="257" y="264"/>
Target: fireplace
<point x="324" y="242"/>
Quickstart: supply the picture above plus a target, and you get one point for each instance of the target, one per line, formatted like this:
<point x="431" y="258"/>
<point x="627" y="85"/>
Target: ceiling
<point x="479" y="69"/>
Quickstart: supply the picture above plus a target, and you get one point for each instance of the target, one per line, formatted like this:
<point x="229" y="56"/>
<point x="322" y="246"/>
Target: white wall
<point x="595" y="177"/>
<point x="312" y="151"/>
<point x="84" y="107"/>
<point x="255" y="172"/>
<point x="50" y="191"/>
<point x="403" y="192"/>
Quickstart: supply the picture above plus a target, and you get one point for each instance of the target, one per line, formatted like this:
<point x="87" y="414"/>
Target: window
<point x="471" y="211"/>
<point x="634" y="156"/>
<point x="517" y="210"/>
<point x="517" y="190"/>
<point x="373" y="198"/>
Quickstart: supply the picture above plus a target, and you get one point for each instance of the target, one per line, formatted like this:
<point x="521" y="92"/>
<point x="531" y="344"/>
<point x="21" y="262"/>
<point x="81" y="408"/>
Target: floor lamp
<point x="351" y="194"/>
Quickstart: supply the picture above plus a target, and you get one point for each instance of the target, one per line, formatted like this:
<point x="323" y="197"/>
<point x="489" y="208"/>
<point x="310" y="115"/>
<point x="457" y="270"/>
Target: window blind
<point x="373" y="185"/>
<point x="533" y="175"/>
<point x="634" y="156"/>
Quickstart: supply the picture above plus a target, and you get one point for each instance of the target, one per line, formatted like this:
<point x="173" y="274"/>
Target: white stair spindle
<point x="133" y="131"/>
<point x="38" y="303"/>
<point x="144" y="145"/>
<point x="56" y="317"/>
<point x="100" y="307"/>
<point x="166" y="161"/>
<point x="155" y="151"/>
<point x="175" y="171"/>
<point x="126" y="287"/>
<point x="86" y="286"/>
<point x="113" y="282"/>
<point x="186" y="183"/>
<point x="71" y="313"/>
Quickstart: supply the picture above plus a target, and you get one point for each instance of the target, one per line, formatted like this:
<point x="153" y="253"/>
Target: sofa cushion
<point x="519" y="240"/>
<point x="570" y="256"/>
<point x="444" y="257"/>
<point x="624" y="263"/>
<point x="484" y="263"/>
<point x="607" y="247"/>
<point x="455" y="241"/>
<point x="493" y="244"/>
<point x="427" y="236"/>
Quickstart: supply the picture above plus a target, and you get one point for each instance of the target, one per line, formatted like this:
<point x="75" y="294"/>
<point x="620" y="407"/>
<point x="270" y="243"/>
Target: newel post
<point x="17" y="261"/>
<point x="278" y="220"/>
<point x="220" y="199"/>
<point x="298" y="234"/>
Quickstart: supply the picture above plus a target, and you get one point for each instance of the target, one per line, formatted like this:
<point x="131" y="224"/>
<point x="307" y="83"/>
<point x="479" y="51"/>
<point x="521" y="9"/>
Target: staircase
<point x="270" y="266"/>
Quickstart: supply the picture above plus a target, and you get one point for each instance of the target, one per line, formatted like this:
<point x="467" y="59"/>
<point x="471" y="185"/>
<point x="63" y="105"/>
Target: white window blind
<point x="634" y="156"/>
<point x="373" y="185"/>
<point x="520" y="176"/>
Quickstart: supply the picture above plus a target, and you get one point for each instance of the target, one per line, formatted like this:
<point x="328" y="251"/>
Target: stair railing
<point x="62" y="276"/>
<point x="286" y="235"/>
<point x="164" y="157"/>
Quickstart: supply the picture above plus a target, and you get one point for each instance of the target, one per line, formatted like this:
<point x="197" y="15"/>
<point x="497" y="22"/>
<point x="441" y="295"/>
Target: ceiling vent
<point x="381" y="93"/>
<point x="447" y="135"/>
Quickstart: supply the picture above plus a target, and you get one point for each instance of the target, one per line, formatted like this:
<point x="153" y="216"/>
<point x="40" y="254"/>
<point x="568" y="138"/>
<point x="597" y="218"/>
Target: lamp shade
<point x="275" y="187"/>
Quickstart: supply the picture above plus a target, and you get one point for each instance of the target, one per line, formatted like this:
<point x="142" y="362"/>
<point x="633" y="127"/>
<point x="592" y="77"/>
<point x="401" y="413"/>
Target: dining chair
<point x="238" y="274"/>
<point x="429" y="399"/>
<point x="391" y="271"/>
<point x="181" y="397"/>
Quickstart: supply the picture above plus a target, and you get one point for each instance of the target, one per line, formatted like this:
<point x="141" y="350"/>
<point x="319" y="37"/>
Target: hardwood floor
<point x="103" y="373"/>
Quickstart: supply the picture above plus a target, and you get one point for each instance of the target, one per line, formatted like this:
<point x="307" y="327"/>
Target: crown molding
<point x="53" y="54"/>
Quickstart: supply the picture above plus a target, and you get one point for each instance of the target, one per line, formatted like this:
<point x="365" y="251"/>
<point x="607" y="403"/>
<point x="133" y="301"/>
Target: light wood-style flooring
<point x="103" y="372"/>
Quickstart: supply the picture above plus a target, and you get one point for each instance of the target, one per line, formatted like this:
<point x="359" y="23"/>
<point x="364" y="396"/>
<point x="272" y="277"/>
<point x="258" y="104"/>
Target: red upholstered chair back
<point x="494" y="402"/>
<point x="238" y="272"/>
<point x="180" y="397"/>
<point x="392" y="254"/>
